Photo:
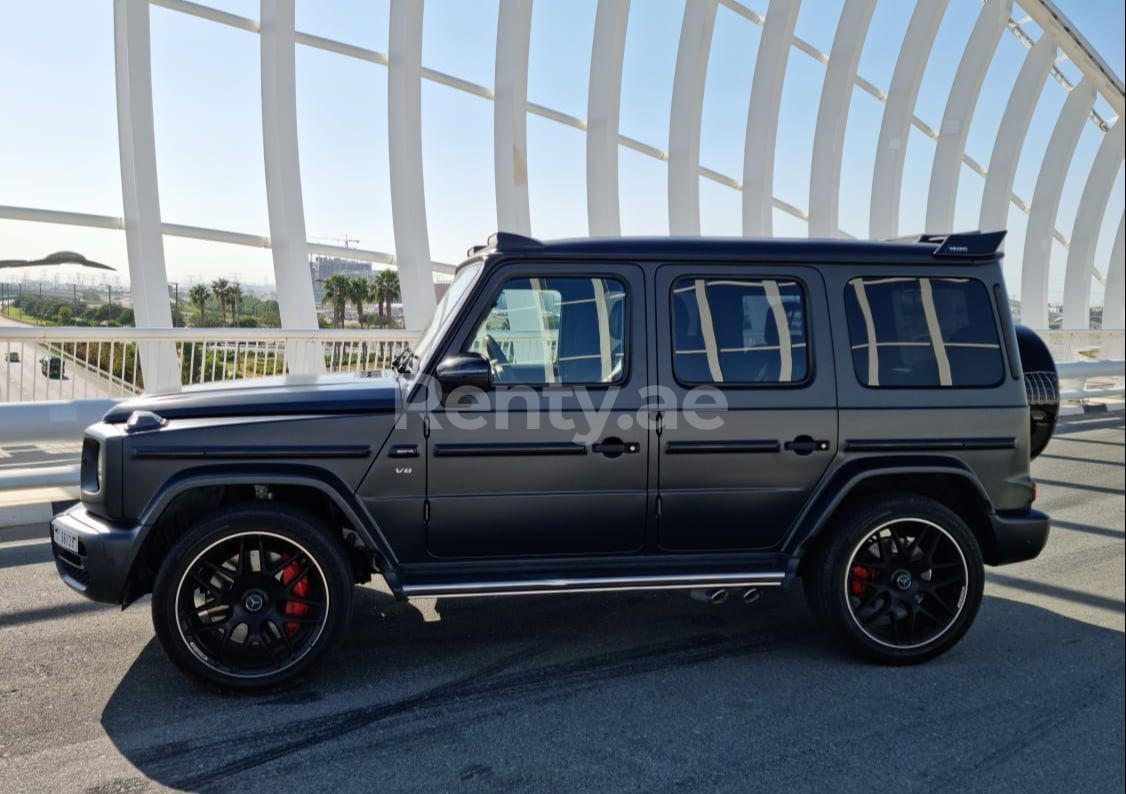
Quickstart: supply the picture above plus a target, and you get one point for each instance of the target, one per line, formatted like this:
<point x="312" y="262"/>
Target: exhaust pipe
<point x="750" y="595"/>
<point x="714" y="597"/>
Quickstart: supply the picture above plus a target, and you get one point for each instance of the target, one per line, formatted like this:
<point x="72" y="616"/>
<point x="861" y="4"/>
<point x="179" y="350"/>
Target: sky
<point x="58" y="139"/>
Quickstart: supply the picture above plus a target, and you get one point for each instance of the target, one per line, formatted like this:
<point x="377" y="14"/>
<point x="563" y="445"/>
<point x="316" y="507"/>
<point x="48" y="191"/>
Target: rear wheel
<point x="252" y="597"/>
<point x="901" y="580"/>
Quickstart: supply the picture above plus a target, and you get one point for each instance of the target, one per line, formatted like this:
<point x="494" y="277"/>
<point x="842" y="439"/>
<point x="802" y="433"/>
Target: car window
<point x="922" y="332"/>
<point x="555" y="330"/>
<point x="739" y="331"/>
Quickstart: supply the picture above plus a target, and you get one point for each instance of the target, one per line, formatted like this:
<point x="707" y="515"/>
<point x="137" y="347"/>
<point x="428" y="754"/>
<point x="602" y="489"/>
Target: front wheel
<point x="901" y="580"/>
<point x="252" y="597"/>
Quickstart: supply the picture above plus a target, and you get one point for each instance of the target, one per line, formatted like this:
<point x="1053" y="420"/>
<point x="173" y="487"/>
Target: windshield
<point x="447" y="308"/>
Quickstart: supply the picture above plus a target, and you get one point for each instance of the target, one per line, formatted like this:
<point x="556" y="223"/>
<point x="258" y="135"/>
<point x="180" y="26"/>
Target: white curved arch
<point x="762" y="116"/>
<point x="684" y="122"/>
<point x="959" y="113"/>
<point x="1115" y="299"/>
<point x="604" y="104"/>
<point x="832" y="116"/>
<point x="284" y="205"/>
<point x="891" y="147"/>
<point x="1012" y="133"/>
<point x="140" y="197"/>
<point x="510" y="116"/>
<point x="404" y="141"/>
<point x="1046" y="202"/>
<point x="1085" y="234"/>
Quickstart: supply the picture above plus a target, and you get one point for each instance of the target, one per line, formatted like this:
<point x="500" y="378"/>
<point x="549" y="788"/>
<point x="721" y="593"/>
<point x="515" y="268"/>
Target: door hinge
<point x="426" y="510"/>
<point x="426" y="426"/>
<point x="658" y="506"/>
<point x="658" y="421"/>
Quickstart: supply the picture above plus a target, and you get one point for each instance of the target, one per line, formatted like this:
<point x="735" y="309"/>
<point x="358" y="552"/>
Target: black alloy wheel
<point x="900" y="579"/>
<point x="251" y="597"/>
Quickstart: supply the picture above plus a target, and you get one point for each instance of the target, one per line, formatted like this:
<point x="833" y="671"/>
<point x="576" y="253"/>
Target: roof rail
<point x="507" y="241"/>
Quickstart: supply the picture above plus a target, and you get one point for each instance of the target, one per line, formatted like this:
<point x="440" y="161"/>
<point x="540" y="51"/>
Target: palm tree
<point x="387" y="291"/>
<point x="337" y="292"/>
<point x="358" y="293"/>
<point x="198" y="295"/>
<point x="234" y="298"/>
<point x="219" y="289"/>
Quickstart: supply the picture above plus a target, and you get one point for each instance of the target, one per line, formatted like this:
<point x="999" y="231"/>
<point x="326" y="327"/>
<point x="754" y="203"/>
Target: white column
<point x="404" y="135"/>
<point x="510" y="116"/>
<point x="1113" y="302"/>
<point x="684" y="123"/>
<point x="1085" y="233"/>
<point x="139" y="194"/>
<point x="283" y="182"/>
<point x="1046" y="202"/>
<point x="762" y="117"/>
<point x="604" y="101"/>
<point x="959" y="113"/>
<point x="891" y="147"/>
<point x="832" y="117"/>
<point x="1012" y="134"/>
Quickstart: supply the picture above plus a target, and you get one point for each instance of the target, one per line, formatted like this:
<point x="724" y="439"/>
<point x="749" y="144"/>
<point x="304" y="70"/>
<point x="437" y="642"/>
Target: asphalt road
<point x="23" y="380"/>
<point x="651" y="692"/>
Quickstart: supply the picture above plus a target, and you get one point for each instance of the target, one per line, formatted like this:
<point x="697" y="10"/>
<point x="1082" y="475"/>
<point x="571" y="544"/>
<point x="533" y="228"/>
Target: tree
<point x="198" y="294"/>
<point x="234" y="297"/>
<point x="338" y="291"/>
<point x="219" y="289"/>
<point x="387" y="291"/>
<point x="358" y="293"/>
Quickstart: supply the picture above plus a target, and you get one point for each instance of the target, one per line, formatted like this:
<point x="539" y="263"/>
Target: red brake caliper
<point x="301" y="590"/>
<point x="860" y="572"/>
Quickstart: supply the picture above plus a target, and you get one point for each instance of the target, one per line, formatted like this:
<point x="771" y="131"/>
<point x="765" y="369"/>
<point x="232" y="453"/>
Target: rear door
<point x="745" y="369"/>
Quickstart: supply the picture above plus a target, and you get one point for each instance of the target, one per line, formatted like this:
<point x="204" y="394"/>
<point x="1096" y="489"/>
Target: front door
<point x="756" y="343"/>
<point x="552" y="461"/>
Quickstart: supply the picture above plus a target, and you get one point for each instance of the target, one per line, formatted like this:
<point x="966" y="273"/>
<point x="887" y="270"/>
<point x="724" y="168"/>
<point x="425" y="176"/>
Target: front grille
<point x="72" y="565"/>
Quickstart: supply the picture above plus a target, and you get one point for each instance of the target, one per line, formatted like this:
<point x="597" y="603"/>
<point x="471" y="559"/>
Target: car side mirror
<point x="464" y="369"/>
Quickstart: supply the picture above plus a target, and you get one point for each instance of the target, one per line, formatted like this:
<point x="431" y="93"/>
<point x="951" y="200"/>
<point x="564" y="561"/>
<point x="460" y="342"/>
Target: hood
<point x="288" y="394"/>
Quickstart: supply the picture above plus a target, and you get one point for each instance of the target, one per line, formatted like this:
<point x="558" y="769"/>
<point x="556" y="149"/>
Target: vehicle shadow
<point x="650" y="691"/>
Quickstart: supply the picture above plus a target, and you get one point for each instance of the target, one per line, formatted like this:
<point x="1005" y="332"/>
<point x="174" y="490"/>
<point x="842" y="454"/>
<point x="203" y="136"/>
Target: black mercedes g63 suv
<point x="597" y="415"/>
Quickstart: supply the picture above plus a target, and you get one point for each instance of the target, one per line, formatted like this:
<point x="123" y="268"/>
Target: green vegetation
<point x="341" y="290"/>
<point x="59" y="311"/>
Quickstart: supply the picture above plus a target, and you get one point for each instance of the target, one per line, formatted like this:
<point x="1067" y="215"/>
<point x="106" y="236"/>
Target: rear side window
<point x="923" y="333"/>
<point x="739" y="331"/>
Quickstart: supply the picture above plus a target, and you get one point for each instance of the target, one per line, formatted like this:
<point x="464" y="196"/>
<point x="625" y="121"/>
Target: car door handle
<point x="615" y="447"/>
<point x="806" y="445"/>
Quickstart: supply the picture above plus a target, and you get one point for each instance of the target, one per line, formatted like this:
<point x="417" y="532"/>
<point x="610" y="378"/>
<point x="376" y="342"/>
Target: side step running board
<point x="593" y="584"/>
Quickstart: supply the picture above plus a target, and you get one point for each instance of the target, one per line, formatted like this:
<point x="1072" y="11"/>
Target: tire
<point x="900" y="580"/>
<point x="252" y="597"/>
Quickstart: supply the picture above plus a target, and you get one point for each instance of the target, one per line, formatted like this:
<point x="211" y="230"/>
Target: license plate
<point x="65" y="539"/>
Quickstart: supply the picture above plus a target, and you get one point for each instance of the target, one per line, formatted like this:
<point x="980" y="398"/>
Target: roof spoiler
<point x="962" y="245"/>
<point x="507" y="241"/>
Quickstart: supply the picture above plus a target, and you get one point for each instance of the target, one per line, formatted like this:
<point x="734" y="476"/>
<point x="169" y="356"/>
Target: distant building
<point x="321" y="267"/>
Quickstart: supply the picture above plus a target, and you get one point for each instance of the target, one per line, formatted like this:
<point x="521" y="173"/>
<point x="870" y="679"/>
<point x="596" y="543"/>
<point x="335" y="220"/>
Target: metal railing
<point x="69" y="364"/>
